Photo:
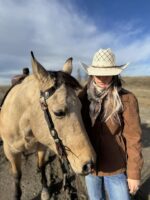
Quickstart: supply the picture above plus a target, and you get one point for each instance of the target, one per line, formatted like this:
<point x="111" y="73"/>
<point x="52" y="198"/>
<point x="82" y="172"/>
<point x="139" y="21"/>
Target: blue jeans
<point x="116" y="187"/>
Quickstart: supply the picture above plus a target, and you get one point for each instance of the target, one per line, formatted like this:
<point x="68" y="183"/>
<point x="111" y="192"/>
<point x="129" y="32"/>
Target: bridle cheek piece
<point x="58" y="142"/>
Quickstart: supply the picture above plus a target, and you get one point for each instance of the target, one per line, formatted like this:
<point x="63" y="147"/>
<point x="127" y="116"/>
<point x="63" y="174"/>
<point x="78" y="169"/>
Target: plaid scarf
<point x="96" y="96"/>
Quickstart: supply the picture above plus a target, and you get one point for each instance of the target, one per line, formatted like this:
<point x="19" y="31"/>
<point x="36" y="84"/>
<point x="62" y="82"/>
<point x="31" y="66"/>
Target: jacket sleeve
<point x="85" y="110"/>
<point x="82" y="94"/>
<point x="132" y="133"/>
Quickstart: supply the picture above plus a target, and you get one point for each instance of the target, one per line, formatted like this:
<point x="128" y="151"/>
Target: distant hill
<point x="139" y="82"/>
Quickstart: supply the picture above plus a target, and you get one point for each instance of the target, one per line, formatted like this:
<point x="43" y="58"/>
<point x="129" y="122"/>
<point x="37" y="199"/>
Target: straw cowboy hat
<point x="104" y="64"/>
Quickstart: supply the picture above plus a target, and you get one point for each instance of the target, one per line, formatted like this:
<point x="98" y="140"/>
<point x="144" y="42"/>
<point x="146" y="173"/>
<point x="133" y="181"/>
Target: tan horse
<point x="22" y="122"/>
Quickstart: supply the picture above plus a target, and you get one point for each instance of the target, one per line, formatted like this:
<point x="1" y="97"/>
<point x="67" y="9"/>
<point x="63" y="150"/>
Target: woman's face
<point x="103" y="81"/>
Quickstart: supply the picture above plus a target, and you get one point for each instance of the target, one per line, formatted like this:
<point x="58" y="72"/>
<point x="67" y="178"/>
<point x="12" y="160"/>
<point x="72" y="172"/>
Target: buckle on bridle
<point x="43" y="103"/>
<point x="45" y="95"/>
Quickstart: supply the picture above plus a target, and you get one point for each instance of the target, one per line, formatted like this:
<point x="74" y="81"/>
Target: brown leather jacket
<point x="118" y="147"/>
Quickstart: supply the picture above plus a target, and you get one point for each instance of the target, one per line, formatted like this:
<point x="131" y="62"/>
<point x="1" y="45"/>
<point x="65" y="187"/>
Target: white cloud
<point x="55" y="30"/>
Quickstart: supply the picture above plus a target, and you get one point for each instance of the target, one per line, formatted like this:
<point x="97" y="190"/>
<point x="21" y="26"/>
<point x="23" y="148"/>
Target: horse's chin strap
<point x="58" y="142"/>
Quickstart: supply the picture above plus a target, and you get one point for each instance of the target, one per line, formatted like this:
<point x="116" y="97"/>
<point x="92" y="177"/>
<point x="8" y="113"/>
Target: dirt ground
<point x="30" y="183"/>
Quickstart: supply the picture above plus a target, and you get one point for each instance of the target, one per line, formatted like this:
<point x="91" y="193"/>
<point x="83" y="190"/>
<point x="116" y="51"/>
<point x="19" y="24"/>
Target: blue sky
<point x="58" y="29"/>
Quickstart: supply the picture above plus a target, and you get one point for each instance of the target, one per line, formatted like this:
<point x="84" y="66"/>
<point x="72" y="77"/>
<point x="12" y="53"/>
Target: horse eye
<point x="60" y="113"/>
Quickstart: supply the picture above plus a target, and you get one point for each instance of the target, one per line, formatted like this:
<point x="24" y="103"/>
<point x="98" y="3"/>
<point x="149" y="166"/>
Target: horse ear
<point x="68" y="66"/>
<point x="38" y="69"/>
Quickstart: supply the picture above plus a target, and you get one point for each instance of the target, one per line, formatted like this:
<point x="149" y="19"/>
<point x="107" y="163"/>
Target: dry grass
<point x="140" y="86"/>
<point x="137" y="82"/>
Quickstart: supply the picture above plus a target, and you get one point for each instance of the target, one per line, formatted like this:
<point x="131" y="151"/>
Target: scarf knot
<point x="96" y="96"/>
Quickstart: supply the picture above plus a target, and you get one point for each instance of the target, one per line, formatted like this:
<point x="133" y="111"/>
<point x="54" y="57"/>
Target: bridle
<point x="66" y="168"/>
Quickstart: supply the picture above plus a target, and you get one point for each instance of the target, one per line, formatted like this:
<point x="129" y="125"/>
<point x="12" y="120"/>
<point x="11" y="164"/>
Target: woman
<point x="111" y="117"/>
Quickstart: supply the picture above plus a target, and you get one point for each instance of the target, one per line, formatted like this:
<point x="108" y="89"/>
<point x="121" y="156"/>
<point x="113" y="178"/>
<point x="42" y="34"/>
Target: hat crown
<point x="104" y="58"/>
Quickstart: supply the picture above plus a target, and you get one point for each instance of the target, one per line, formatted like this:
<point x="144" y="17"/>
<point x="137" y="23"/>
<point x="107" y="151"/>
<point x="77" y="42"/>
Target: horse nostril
<point x="87" y="168"/>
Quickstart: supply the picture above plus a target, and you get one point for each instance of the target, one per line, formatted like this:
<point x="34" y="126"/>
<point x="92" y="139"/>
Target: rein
<point x="66" y="168"/>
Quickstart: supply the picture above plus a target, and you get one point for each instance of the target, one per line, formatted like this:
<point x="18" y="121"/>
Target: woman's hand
<point x="133" y="185"/>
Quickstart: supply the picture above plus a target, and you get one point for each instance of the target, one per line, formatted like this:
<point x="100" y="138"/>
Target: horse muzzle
<point x="88" y="168"/>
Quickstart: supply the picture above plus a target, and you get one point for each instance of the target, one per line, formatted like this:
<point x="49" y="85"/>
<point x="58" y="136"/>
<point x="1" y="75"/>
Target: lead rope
<point x="66" y="168"/>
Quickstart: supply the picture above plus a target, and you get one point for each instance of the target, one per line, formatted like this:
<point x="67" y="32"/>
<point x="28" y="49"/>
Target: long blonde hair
<point x="113" y="104"/>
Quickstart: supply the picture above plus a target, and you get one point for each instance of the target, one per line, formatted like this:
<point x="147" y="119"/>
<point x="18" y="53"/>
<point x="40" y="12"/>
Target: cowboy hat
<point x="104" y="64"/>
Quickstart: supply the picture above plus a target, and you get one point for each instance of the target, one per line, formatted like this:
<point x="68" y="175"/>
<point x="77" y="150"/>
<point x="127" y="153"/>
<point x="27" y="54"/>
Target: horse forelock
<point x="65" y="78"/>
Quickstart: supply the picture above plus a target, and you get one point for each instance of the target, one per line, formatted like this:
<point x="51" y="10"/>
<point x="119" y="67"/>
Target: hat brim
<point x="105" y="71"/>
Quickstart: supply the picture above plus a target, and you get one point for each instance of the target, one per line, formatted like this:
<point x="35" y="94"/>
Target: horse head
<point x="59" y="90"/>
